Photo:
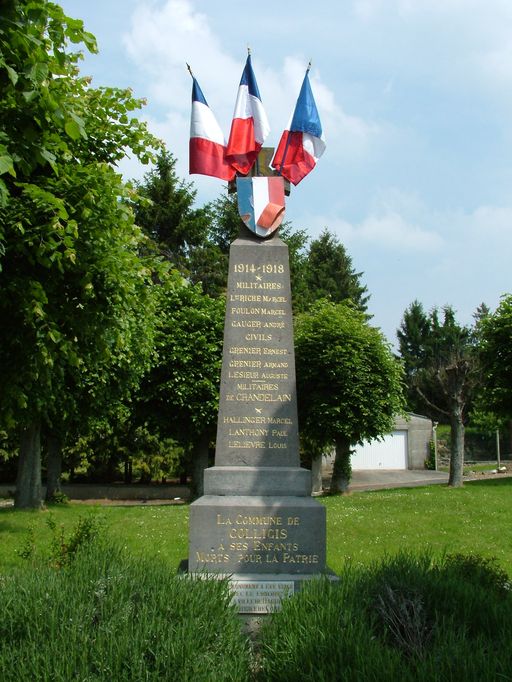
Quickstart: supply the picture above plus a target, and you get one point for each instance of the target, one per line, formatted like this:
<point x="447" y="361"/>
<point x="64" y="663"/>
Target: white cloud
<point x="396" y="221"/>
<point x="163" y="37"/>
<point x="492" y="223"/>
<point x="401" y="223"/>
<point x="386" y="231"/>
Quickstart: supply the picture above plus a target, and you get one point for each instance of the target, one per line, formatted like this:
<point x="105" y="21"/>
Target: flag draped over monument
<point x="207" y="147"/>
<point x="302" y="143"/>
<point x="250" y="125"/>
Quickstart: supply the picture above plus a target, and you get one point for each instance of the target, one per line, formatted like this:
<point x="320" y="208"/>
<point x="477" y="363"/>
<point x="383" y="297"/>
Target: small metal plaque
<point x="260" y="596"/>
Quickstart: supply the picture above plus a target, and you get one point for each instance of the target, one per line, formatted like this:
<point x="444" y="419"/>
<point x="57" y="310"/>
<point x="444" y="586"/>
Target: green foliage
<point x="59" y="497"/>
<point x="406" y="617"/>
<point x="430" y="462"/>
<point x="348" y="382"/>
<point x="360" y="526"/>
<point x="153" y="458"/>
<point x="179" y="396"/>
<point x="82" y="312"/>
<point x="118" y="618"/>
<point x="164" y="209"/>
<point x="495" y="332"/>
<point x="328" y="274"/>
<point x="440" y="361"/>
<point x="443" y="372"/>
<point x="63" y="549"/>
<point x="28" y="548"/>
<point x="480" y="570"/>
<point x="76" y="314"/>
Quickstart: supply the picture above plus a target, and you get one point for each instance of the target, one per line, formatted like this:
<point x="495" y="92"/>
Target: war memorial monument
<point x="257" y="522"/>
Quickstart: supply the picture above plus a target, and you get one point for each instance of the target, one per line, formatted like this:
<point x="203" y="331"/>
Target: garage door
<point x="389" y="453"/>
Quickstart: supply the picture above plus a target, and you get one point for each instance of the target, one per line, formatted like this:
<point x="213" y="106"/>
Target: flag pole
<point x="189" y="69"/>
<point x="257" y="163"/>
<point x="289" y="133"/>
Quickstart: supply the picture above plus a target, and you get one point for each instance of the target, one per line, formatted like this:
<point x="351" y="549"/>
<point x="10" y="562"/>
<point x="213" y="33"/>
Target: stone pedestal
<point x="257" y="521"/>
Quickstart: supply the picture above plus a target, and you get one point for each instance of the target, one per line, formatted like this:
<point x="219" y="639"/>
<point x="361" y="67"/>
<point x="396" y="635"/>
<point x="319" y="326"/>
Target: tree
<point x="349" y="385"/>
<point x="412" y="334"/>
<point x="442" y="371"/>
<point x="328" y="273"/>
<point x="71" y="280"/>
<point x="166" y="212"/>
<point x="179" y="396"/>
<point x="495" y="335"/>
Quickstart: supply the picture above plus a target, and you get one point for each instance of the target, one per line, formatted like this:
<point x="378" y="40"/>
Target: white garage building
<point x="389" y="453"/>
<point x="406" y="447"/>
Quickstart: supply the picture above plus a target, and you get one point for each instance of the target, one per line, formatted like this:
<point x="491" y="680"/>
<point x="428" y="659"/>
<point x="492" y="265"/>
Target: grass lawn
<point x="468" y="468"/>
<point x="361" y="527"/>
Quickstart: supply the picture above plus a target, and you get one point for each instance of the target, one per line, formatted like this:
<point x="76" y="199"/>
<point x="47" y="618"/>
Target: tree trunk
<point x="457" y="449"/>
<point x="28" y="482"/>
<point x="510" y="436"/>
<point x="199" y="464"/>
<point x="316" y="474"/>
<point x="54" y="466"/>
<point x="342" y="468"/>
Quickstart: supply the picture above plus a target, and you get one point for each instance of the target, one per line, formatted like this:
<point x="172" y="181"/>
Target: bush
<point x="407" y="618"/>
<point x="105" y="616"/>
<point x="430" y="462"/>
<point x="102" y="615"/>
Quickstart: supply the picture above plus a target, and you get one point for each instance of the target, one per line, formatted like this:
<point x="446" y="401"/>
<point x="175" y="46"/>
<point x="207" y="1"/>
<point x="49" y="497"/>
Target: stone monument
<point x="257" y="522"/>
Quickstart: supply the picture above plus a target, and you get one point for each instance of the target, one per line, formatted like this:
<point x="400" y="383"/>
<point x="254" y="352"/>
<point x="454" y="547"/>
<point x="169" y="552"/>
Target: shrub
<point x="63" y="549"/>
<point x="430" y="462"/>
<point x="59" y="497"/>
<point x="106" y="616"/>
<point x="406" y="618"/>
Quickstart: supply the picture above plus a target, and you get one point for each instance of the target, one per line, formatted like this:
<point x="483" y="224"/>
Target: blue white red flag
<point x="302" y="144"/>
<point x="207" y="147"/>
<point x="250" y="126"/>
<point x="261" y="203"/>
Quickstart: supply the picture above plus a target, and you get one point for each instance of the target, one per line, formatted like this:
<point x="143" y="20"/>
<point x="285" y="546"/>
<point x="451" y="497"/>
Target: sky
<point x="415" y="100"/>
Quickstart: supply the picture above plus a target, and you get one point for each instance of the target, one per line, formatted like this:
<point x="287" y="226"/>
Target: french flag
<point x="250" y="126"/>
<point x="207" y="147"/>
<point x="302" y="144"/>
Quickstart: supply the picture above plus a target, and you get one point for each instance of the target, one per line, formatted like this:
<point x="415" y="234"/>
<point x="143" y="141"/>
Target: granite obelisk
<point x="257" y="521"/>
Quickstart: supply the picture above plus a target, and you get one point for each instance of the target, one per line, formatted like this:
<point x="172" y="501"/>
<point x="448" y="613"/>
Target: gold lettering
<point x="254" y="419"/>
<point x="248" y="432"/>
<point x="263" y="398"/>
<point x="223" y="520"/>
<point x="244" y="350"/>
<point x="245" y="363"/>
<point x="212" y="558"/>
<point x="243" y="375"/>
<point x="252" y="324"/>
<point x="258" y="337"/>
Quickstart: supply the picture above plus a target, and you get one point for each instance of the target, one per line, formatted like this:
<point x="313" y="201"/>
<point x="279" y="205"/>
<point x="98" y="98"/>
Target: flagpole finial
<point x="248" y="51"/>
<point x="189" y="69"/>
<point x="309" y="66"/>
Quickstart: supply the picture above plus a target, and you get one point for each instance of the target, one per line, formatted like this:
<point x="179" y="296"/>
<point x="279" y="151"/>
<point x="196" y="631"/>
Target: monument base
<point x="257" y="595"/>
<point x="268" y="481"/>
<point x="257" y="534"/>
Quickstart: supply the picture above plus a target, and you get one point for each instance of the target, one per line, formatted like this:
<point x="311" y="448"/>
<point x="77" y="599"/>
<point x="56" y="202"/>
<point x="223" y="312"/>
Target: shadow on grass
<point x="7" y="527"/>
<point x="492" y="482"/>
